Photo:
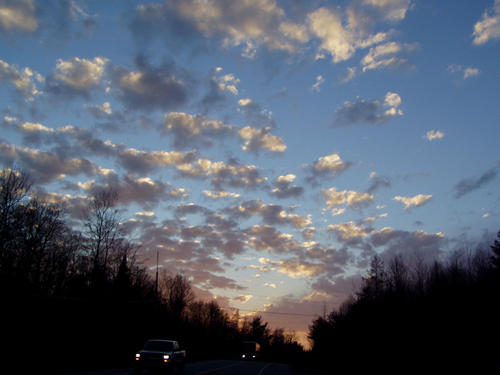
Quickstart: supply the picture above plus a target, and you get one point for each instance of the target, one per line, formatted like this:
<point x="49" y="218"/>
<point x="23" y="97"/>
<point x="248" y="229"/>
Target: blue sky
<point x="267" y="149"/>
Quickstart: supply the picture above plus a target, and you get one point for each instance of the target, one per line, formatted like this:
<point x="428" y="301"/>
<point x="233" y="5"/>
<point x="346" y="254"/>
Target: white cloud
<point x="257" y="139"/>
<point x="317" y="85"/>
<point x="488" y="27"/>
<point x="220" y="194"/>
<point x="353" y="198"/>
<point x="416" y="201"/>
<point x="393" y="10"/>
<point x="19" y="15"/>
<point x="335" y="39"/>
<point x="80" y="74"/>
<point x="432" y="135"/>
<point x="23" y="80"/>
<point x="391" y="54"/>
<point x="471" y="72"/>
<point x="330" y="165"/>
<point x="348" y="231"/>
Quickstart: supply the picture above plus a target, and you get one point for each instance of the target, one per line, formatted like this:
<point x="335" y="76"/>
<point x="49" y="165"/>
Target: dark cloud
<point x="378" y="182"/>
<point x="368" y="112"/>
<point x="189" y="131"/>
<point x="468" y="185"/>
<point x="284" y="188"/>
<point x="163" y="88"/>
<point x="45" y="166"/>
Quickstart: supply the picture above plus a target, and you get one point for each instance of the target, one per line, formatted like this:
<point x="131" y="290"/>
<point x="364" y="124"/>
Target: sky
<point x="265" y="149"/>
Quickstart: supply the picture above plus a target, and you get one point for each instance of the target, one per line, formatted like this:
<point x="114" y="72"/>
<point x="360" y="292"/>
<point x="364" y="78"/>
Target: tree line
<point x="75" y="296"/>
<point x="414" y="317"/>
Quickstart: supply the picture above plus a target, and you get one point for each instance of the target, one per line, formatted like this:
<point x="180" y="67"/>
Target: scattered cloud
<point x="191" y="130"/>
<point x="150" y="87"/>
<point x="468" y="185"/>
<point x="388" y="55"/>
<point x="261" y="139"/>
<point x="22" y="80"/>
<point x="317" y="85"/>
<point x="327" y="166"/>
<point x="76" y="76"/>
<point x="18" y="16"/>
<point x="432" y="135"/>
<point x="466" y="72"/>
<point x="488" y="27"/>
<point x="416" y="201"/>
<point x="369" y="112"/>
<point x="353" y="199"/>
<point x="348" y="231"/>
<point x="284" y="188"/>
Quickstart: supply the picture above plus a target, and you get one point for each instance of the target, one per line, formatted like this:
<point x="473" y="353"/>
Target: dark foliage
<point x="435" y="318"/>
<point x="77" y="300"/>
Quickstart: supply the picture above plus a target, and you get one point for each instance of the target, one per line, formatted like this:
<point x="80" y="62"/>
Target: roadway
<point x="220" y="367"/>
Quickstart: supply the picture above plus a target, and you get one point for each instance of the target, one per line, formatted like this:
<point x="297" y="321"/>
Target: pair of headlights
<point x="166" y="357"/>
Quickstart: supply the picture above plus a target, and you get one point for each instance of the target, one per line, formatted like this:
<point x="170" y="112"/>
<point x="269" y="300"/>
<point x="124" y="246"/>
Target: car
<point x="160" y="355"/>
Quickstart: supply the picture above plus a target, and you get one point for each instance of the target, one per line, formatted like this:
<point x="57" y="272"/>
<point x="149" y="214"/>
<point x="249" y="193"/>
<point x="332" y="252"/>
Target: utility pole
<point x="156" y="284"/>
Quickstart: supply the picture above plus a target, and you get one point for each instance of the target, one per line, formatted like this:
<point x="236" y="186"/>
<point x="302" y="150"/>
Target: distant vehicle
<point x="250" y="350"/>
<point x="160" y="355"/>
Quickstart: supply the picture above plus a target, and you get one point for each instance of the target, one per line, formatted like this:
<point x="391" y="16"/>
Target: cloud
<point x="45" y="166"/>
<point x="432" y="135"/>
<point x="76" y="76"/>
<point x="137" y="161"/>
<point x="261" y="139"/>
<point x="100" y="111"/>
<point x="317" y="85"/>
<point x="268" y="238"/>
<point x="369" y="112"/>
<point x="414" y="245"/>
<point x="231" y="174"/>
<point x="468" y="72"/>
<point x="327" y="25"/>
<point x="284" y="188"/>
<point x="488" y="27"/>
<point x="294" y="268"/>
<point x="150" y="87"/>
<point x="18" y="16"/>
<point x="348" y="231"/>
<point x="388" y="55"/>
<point x="190" y="130"/>
<point x="220" y="194"/>
<point x="144" y="190"/>
<point x="247" y="25"/>
<point x="353" y="199"/>
<point x="22" y="80"/>
<point x="243" y="298"/>
<point x="377" y="182"/>
<point x="327" y="166"/>
<point x="416" y="201"/>
<point x="468" y="185"/>
<point x="471" y="72"/>
<point x="392" y="10"/>
<point x="272" y="214"/>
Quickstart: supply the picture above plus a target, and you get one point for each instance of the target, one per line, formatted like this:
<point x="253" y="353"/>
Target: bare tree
<point x="14" y="188"/>
<point x="176" y="292"/>
<point x="103" y="232"/>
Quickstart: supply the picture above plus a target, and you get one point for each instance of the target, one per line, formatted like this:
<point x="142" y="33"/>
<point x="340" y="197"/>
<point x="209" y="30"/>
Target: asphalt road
<point x="222" y="367"/>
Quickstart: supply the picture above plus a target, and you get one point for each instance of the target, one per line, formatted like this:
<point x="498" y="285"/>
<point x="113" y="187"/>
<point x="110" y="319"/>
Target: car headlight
<point x="166" y="357"/>
<point x="243" y="356"/>
<point x="137" y="356"/>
